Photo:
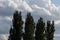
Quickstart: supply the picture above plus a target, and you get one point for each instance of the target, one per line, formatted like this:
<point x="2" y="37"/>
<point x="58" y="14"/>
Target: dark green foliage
<point x="50" y="30"/>
<point x="29" y="27"/>
<point x="40" y="33"/>
<point x="16" y="31"/>
<point x="12" y="34"/>
<point x="40" y="27"/>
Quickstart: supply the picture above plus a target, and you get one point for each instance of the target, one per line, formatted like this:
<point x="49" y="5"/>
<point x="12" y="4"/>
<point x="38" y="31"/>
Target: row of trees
<point x="32" y="31"/>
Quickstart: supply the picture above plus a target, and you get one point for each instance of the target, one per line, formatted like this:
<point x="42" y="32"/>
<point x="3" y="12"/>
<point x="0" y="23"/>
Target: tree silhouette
<point x="16" y="30"/>
<point x="40" y="27"/>
<point x="50" y="30"/>
<point x="29" y="27"/>
<point x="41" y="33"/>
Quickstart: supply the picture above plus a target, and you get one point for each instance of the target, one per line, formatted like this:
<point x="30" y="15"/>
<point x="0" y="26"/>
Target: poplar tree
<point x="16" y="30"/>
<point x="50" y="30"/>
<point x="29" y="27"/>
<point x="40" y="27"/>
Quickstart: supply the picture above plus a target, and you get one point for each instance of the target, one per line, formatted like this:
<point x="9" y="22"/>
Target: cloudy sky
<point x="48" y="9"/>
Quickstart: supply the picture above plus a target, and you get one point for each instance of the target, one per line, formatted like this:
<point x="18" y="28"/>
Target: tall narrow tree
<point x="29" y="28"/>
<point x="40" y="27"/>
<point x="50" y="30"/>
<point x="16" y="31"/>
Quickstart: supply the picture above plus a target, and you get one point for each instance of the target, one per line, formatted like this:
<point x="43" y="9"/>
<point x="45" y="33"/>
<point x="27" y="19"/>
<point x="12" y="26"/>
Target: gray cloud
<point x="5" y="23"/>
<point x="44" y="8"/>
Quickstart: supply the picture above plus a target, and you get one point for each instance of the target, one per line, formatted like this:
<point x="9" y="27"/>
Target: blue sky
<point x="56" y="2"/>
<point x="48" y="9"/>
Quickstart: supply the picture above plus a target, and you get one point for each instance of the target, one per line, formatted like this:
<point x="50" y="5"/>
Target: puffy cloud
<point x="40" y="9"/>
<point x="3" y="36"/>
<point x="57" y="22"/>
<point x="57" y="35"/>
<point x="44" y="8"/>
<point x="46" y="4"/>
<point x="27" y="7"/>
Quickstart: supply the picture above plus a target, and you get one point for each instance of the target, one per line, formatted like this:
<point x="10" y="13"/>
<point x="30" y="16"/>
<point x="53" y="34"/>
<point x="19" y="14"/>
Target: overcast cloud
<point x="38" y="8"/>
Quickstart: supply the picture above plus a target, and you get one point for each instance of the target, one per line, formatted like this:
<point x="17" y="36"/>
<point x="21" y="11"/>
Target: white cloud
<point x="12" y="3"/>
<point x="44" y="8"/>
<point x="57" y="35"/>
<point x="38" y="7"/>
<point x="41" y="10"/>
<point x="27" y="7"/>
<point x="57" y="22"/>
<point x="3" y="36"/>
<point x="19" y="4"/>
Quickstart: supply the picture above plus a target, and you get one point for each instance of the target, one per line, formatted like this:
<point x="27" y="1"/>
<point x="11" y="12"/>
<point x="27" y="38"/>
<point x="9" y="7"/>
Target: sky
<point x="56" y="2"/>
<point x="48" y="9"/>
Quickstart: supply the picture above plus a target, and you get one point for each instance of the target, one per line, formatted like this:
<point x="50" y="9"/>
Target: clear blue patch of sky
<point x="56" y="2"/>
